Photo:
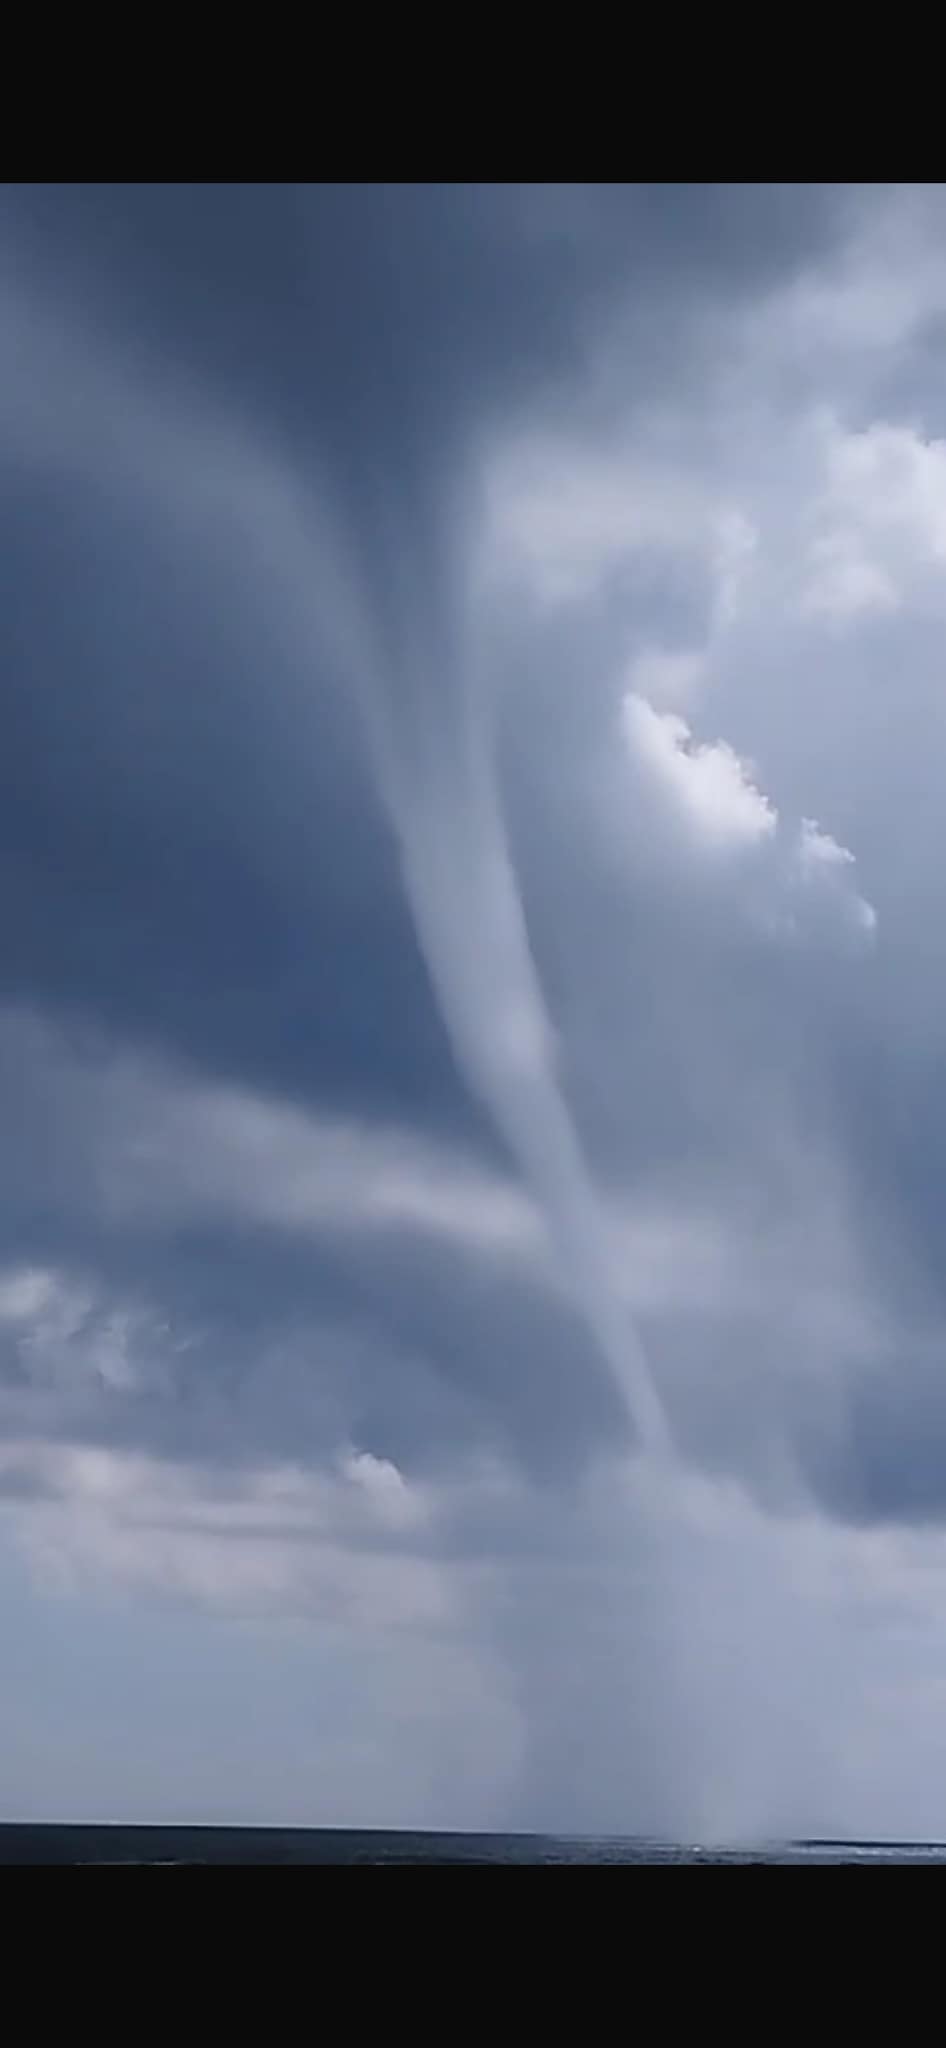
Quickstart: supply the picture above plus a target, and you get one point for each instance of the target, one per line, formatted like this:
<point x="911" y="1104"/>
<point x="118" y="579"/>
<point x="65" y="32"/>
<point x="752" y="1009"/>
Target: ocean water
<point x="54" y="1843"/>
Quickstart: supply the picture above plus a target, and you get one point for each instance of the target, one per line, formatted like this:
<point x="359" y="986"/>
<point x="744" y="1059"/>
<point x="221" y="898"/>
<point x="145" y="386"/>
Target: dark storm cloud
<point x="176" y="858"/>
<point x="248" y="1346"/>
<point x="191" y="848"/>
<point x="380" y="319"/>
<point x="470" y="855"/>
<point x="194" y="850"/>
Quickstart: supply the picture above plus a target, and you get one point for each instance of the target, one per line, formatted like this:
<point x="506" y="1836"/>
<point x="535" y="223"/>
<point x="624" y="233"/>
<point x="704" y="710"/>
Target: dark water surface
<point x="52" y="1843"/>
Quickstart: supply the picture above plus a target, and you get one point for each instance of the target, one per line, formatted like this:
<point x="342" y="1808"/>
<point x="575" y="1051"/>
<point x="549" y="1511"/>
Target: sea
<point x="185" y="1847"/>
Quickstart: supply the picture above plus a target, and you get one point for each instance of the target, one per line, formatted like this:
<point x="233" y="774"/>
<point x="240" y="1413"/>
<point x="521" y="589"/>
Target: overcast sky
<point x="473" y="1005"/>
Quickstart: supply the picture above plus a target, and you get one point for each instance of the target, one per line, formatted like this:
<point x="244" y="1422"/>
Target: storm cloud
<point x="471" y="1003"/>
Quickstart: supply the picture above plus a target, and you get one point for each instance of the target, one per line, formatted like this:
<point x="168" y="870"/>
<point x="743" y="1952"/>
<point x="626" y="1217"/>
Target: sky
<point x="472" y="994"/>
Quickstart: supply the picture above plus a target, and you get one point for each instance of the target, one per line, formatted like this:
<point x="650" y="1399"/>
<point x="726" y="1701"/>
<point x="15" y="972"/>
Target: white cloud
<point x="148" y="1141"/>
<point x="189" y="1147"/>
<point x="274" y="1538"/>
<point x="821" y="864"/>
<point x="396" y="1505"/>
<point x="26" y="1292"/>
<point x="799" y="877"/>
<point x="880" y="520"/>
<point x="710" y="787"/>
<point x="67" y="1334"/>
<point x="562" y="517"/>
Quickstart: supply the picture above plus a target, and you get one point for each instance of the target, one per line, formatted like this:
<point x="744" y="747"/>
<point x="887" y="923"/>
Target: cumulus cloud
<point x="800" y="878"/>
<point x="881" y="520"/>
<point x="708" y="785"/>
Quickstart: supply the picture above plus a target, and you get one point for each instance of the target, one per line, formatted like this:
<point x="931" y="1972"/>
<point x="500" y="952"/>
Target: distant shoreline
<point x="111" y="1843"/>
